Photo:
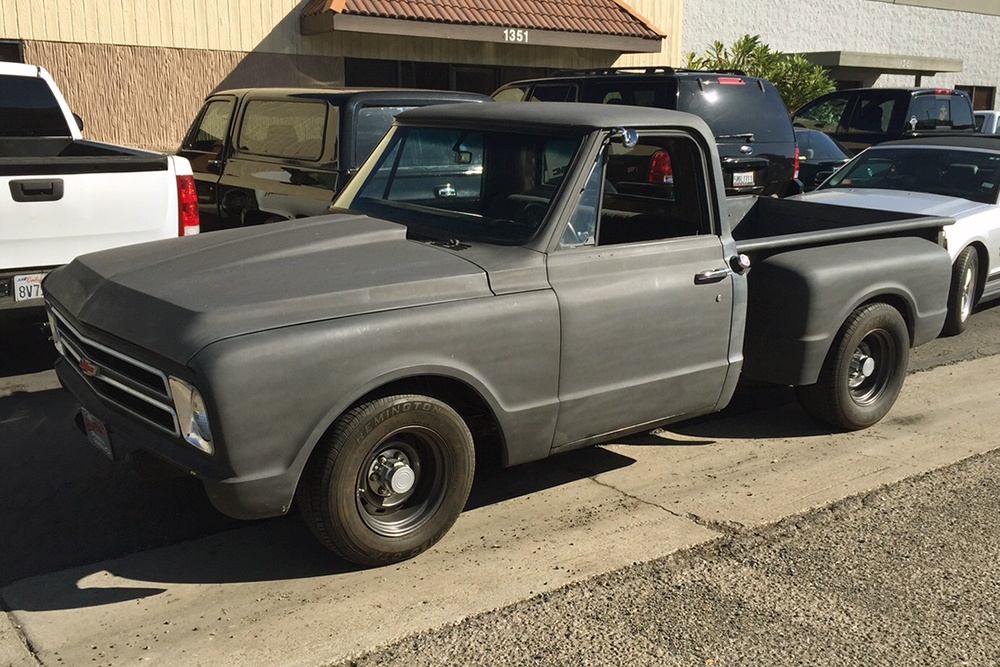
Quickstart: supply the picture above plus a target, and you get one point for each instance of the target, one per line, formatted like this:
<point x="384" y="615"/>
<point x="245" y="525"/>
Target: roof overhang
<point x="322" y="16"/>
<point x="845" y="64"/>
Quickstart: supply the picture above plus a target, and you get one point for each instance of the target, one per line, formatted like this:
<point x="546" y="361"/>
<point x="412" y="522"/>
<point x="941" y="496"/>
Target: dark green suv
<point x="746" y="115"/>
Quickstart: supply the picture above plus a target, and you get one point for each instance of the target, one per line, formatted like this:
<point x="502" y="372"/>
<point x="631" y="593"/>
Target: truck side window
<point x="872" y="113"/>
<point x="652" y="191"/>
<point x="285" y="129"/>
<point x="372" y="123"/>
<point x="824" y="115"/>
<point x="553" y="93"/>
<point x="209" y="134"/>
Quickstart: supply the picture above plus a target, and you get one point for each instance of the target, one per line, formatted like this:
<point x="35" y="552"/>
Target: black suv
<point x="746" y="114"/>
<point x="860" y="117"/>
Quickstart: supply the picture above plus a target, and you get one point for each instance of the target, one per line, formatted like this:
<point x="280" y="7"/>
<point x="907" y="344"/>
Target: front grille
<point x="127" y="383"/>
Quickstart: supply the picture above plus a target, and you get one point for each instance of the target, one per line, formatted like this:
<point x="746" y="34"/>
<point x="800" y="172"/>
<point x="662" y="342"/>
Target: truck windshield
<point x="468" y="185"/>
<point x="952" y="172"/>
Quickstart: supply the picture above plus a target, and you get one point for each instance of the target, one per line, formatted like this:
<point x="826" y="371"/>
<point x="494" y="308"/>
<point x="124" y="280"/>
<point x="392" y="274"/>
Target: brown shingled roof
<point x="602" y="17"/>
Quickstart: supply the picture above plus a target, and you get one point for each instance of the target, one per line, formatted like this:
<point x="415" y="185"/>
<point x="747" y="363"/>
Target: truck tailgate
<point x="48" y="219"/>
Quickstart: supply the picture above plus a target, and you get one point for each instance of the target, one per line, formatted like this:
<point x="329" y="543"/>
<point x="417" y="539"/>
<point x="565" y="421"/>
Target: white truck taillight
<point x="188" y="220"/>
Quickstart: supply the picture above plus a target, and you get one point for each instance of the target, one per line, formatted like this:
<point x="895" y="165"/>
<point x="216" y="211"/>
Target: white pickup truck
<point x="63" y="196"/>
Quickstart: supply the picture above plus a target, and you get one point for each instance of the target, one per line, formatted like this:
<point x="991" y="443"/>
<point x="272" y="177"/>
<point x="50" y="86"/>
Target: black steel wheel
<point x="864" y="371"/>
<point x="389" y="480"/>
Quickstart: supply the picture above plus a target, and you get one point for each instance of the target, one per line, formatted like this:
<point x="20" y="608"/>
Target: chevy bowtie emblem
<point x="88" y="368"/>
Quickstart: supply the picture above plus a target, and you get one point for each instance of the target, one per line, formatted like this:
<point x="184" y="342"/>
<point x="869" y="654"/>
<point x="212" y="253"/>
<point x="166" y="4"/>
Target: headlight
<point x="192" y="415"/>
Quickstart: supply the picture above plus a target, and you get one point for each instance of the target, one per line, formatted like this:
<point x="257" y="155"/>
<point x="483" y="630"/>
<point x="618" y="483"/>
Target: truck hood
<point x="174" y="297"/>
<point x="918" y="203"/>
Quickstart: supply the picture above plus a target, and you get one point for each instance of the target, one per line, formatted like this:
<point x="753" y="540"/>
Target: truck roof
<point x="570" y="117"/>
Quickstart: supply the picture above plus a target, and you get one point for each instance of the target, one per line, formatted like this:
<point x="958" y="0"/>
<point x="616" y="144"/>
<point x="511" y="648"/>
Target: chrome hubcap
<point x="862" y="368"/>
<point x="391" y="477"/>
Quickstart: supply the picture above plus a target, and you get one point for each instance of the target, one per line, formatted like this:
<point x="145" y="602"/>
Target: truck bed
<point x="32" y="156"/>
<point x="761" y="225"/>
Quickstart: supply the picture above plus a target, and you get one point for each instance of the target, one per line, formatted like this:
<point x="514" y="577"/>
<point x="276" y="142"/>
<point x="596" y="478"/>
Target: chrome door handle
<point x="711" y="276"/>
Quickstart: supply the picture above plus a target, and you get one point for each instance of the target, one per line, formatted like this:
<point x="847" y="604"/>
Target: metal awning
<point x="592" y="24"/>
<point x="869" y="66"/>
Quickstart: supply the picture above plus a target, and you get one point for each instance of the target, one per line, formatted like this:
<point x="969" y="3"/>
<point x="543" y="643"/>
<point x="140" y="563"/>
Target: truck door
<point x="645" y="295"/>
<point x="205" y="147"/>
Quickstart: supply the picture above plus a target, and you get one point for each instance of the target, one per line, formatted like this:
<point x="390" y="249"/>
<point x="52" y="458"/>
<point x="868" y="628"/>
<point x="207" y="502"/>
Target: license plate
<point x="97" y="433"/>
<point x="742" y="179"/>
<point x="28" y="286"/>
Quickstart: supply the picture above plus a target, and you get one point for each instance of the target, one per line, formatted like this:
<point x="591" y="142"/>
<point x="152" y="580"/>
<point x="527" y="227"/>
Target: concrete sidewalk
<point x="268" y="595"/>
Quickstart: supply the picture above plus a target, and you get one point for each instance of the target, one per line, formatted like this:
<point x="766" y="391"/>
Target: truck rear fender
<point x="799" y="299"/>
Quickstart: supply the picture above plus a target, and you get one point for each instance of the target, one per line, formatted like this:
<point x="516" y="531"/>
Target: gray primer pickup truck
<point x="497" y="284"/>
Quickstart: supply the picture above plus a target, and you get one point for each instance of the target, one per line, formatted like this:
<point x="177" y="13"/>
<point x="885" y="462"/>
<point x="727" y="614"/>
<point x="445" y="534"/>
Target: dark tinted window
<point x="281" y="128"/>
<point x="873" y="112"/>
<point x="725" y="103"/>
<point x="633" y="93"/>
<point x="815" y="145"/>
<point x="940" y="111"/>
<point x="29" y="109"/>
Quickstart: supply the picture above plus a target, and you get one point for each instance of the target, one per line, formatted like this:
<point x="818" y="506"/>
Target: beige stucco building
<point x="137" y="70"/>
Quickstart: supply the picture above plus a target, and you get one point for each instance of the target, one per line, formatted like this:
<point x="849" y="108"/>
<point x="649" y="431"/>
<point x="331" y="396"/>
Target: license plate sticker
<point x="742" y="179"/>
<point x="97" y="434"/>
<point x="28" y="286"/>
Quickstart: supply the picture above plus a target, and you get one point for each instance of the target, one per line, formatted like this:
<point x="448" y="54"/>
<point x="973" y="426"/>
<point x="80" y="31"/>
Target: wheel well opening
<point x="491" y="450"/>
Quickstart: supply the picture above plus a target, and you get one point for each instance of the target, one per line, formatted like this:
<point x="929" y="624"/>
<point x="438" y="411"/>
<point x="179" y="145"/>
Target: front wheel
<point x="864" y="371"/>
<point x="962" y="295"/>
<point x="389" y="480"/>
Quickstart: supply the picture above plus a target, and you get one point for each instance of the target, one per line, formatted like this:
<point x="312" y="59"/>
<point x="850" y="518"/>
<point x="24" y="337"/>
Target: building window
<point x="11" y="51"/>
<point x="362" y="72"/>
<point x="983" y="97"/>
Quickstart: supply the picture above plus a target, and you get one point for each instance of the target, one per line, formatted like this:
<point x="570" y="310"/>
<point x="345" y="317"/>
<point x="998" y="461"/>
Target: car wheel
<point x="962" y="295"/>
<point x="864" y="371"/>
<point x="389" y="480"/>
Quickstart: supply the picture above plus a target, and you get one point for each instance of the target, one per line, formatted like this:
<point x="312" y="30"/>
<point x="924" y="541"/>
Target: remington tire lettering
<point x="389" y="479"/>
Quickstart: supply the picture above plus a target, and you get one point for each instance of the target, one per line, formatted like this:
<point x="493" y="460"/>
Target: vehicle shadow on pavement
<point x="62" y="505"/>
<point x="26" y="349"/>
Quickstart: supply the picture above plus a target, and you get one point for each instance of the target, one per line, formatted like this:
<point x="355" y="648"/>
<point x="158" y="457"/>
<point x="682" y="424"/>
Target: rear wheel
<point x="962" y="295"/>
<point x="389" y="480"/>
<point x="864" y="371"/>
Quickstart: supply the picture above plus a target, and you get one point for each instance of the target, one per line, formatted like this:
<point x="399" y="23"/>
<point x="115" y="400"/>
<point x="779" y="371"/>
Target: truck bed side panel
<point x="799" y="299"/>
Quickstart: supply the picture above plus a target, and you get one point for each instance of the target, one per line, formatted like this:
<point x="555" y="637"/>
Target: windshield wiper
<point x="743" y="135"/>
